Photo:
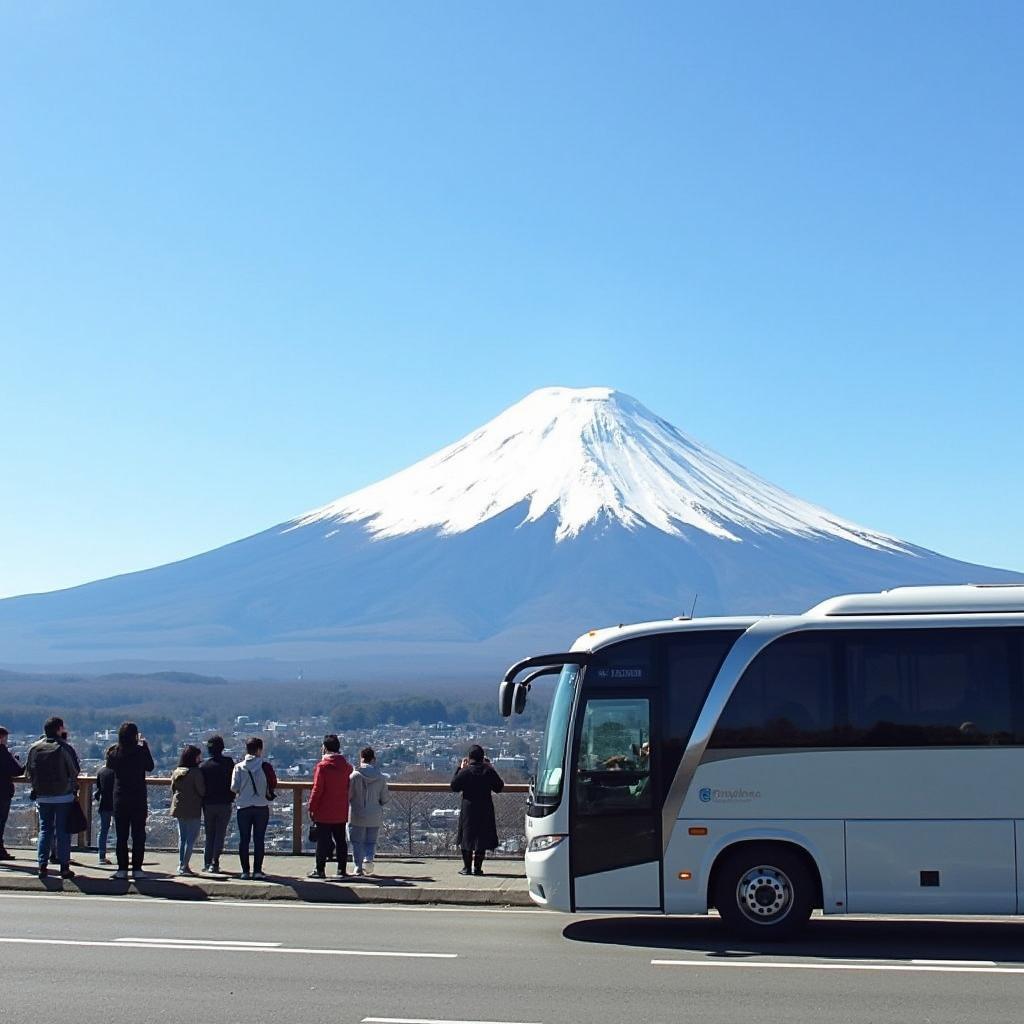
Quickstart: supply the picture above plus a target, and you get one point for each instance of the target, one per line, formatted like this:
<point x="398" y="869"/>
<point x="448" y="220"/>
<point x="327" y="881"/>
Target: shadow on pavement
<point x="838" y="939"/>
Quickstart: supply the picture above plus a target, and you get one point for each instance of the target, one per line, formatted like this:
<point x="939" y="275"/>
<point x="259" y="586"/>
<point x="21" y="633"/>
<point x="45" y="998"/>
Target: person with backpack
<point x="328" y="806"/>
<point x="105" y="801"/>
<point x="252" y="784"/>
<point x="52" y="770"/>
<point x="130" y="760"/>
<point x="188" y="787"/>
<point x="368" y="793"/>
<point x="217" y="770"/>
<point x="10" y="769"/>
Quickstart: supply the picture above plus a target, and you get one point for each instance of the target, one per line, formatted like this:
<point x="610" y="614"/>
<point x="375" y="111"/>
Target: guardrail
<point x="421" y="818"/>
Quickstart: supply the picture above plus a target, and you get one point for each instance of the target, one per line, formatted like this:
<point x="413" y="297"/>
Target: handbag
<point x="314" y="832"/>
<point x="77" y="821"/>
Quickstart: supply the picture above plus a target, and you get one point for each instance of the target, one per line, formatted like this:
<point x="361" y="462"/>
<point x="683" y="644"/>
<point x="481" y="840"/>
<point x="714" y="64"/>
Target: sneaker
<point x="245" y="876"/>
<point x="184" y="869"/>
<point x="359" y="872"/>
<point x="138" y="873"/>
<point x="478" y="871"/>
<point x="43" y="872"/>
<point x="105" y="860"/>
<point x="66" y="872"/>
<point x="316" y="874"/>
<point x="121" y="876"/>
<point x="207" y="869"/>
<point x="465" y="871"/>
<point x="6" y="854"/>
<point x="258" y="876"/>
<point x="368" y="867"/>
<point x="341" y="874"/>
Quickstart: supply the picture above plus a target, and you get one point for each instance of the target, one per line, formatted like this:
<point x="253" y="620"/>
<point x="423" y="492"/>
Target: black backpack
<point x="50" y="772"/>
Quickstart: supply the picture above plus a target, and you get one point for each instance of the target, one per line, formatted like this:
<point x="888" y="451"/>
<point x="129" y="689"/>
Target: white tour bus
<point x="865" y="757"/>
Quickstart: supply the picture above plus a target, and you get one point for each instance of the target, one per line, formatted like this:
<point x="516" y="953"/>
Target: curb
<point x="296" y="890"/>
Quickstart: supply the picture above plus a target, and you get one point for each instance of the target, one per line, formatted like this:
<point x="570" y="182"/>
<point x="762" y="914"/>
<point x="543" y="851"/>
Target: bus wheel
<point x="764" y="891"/>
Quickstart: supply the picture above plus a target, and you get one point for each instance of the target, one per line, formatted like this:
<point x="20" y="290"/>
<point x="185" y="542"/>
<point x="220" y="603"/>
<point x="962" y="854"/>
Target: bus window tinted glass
<point x="947" y="687"/>
<point x="786" y="698"/>
<point x="613" y="770"/>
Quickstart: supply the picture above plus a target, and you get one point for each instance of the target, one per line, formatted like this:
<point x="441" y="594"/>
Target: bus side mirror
<point x="519" y="698"/>
<point x="506" y="691"/>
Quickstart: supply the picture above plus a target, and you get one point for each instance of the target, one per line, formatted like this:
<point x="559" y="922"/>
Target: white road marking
<point x="207" y="942"/>
<point x="958" y="963"/>
<point x="122" y="944"/>
<point x="755" y="964"/>
<point x="430" y="1020"/>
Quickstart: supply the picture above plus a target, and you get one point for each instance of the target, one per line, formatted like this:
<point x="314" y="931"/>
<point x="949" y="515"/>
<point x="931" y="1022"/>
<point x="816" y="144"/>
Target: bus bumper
<point x="547" y="873"/>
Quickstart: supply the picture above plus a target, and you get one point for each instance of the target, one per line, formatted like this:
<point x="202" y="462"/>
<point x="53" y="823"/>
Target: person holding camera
<point x="328" y="806"/>
<point x="476" y="780"/>
<point x="130" y="760"/>
<point x="10" y="769"/>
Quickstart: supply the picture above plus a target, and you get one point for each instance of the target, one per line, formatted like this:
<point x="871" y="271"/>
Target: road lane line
<point x="758" y="964"/>
<point x="432" y="1020"/>
<point x="207" y="942"/>
<point x="121" y="944"/>
<point x="958" y="963"/>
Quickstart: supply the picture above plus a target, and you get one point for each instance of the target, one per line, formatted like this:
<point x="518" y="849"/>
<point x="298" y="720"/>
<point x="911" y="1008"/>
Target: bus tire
<point x="764" y="891"/>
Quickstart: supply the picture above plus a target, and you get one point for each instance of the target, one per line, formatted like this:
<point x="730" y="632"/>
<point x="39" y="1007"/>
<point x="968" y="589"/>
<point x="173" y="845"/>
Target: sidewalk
<point x="405" y="880"/>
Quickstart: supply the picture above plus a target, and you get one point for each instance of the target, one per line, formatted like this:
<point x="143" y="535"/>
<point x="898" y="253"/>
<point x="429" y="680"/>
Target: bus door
<point x="615" y="829"/>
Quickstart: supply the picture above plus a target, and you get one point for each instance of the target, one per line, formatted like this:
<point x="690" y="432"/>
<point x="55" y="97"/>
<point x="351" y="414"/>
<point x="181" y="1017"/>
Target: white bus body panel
<point x="973" y="862"/>
<point x="823" y="840"/>
<point x="547" y="875"/>
<point x="634" y="888"/>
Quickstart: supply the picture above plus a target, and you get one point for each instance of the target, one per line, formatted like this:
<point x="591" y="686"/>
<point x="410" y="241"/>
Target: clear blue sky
<point x="257" y="255"/>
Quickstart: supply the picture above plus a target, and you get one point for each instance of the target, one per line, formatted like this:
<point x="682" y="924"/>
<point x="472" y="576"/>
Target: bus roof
<point x="974" y="598"/>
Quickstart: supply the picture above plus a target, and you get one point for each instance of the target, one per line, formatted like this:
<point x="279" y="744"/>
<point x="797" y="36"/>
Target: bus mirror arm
<point x="512" y="695"/>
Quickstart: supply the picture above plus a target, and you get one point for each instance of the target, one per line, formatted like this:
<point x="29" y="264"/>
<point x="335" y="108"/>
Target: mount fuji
<point x="572" y="509"/>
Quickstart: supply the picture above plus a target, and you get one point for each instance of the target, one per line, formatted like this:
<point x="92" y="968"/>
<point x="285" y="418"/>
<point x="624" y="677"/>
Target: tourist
<point x="129" y="760"/>
<point x="187" y="790"/>
<point x="476" y="780"/>
<point x="368" y="793"/>
<point x="216" y="769"/>
<point x="105" y="800"/>
<point x="250" y="783"/>
<point x="328" y="805"/>
<point x="10" y="769"/>
<point x="52" y="770"/>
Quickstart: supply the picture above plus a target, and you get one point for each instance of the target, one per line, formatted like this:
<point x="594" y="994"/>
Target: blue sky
<point x="256" y="255"/>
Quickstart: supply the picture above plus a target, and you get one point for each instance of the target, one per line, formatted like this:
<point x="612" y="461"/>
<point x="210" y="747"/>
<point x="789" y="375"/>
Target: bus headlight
<point x="540" y="843"/>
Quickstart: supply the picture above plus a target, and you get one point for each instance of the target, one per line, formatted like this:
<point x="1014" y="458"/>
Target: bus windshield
<point x="551" y="764"/>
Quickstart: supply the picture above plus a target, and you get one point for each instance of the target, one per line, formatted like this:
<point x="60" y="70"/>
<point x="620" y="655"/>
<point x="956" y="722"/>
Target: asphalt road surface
<point x="97" y="960"/>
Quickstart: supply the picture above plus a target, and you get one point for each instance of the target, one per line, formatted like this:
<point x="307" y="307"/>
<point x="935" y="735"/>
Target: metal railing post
<point x="85" y="802"/>
<point x="296" y="819"/>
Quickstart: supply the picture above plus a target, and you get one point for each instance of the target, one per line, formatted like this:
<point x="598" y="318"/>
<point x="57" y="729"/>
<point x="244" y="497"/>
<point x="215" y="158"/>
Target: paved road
<point x="126" y="958"/>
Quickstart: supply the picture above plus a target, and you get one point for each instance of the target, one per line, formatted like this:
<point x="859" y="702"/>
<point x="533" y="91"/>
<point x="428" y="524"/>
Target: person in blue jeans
<point x="367" y="794"/>
<point x="250" y="785"/>
<point x="188" y="787"/>
<point x="105" y="801"/>
<point x="52" y="769"/>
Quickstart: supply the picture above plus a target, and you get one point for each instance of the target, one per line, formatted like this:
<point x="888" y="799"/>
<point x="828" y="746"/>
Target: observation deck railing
<point x="421" y="819"/>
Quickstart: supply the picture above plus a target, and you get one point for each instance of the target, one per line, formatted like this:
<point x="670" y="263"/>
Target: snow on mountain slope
<point x="583" y="452"/>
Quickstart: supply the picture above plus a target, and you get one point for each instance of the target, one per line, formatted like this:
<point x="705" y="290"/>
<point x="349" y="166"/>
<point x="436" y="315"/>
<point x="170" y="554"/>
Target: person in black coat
<point x="217" y="770"/>
<point x="129" y="761"/>
<point x="10" y="769"/>
<point x="476" y="780"/>
<point x="105" y="802"/>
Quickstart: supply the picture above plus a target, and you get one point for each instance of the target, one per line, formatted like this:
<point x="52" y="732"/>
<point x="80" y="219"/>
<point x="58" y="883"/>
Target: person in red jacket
<point x="328" y="806"/>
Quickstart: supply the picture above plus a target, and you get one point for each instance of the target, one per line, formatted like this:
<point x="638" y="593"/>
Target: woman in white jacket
<point x="367" y="795"/>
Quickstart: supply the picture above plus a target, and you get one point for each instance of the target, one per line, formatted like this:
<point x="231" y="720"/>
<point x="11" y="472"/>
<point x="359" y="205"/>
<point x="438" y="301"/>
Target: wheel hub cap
<point x="764" y="894"/>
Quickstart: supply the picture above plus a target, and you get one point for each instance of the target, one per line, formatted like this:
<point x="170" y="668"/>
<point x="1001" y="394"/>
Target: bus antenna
<point x="694" y="605"/>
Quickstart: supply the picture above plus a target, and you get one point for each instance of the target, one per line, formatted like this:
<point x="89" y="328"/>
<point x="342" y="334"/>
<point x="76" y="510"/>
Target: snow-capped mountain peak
<point x="584" y="455"/>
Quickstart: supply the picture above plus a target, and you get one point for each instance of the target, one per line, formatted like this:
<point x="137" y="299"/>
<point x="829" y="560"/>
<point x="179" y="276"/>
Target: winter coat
<point x="368" y="793"/>
<point x="478" y="830"/>
<point x="187" y="790"/>
<point x="249" y="782"/>
<point x="129" y="765"/>
<point x="10" y="768"/>
<point x="105" y="790"/>
<point x="52" y="779"/>
<point x="217" y="771"/>
<point x="328" y="803"/>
